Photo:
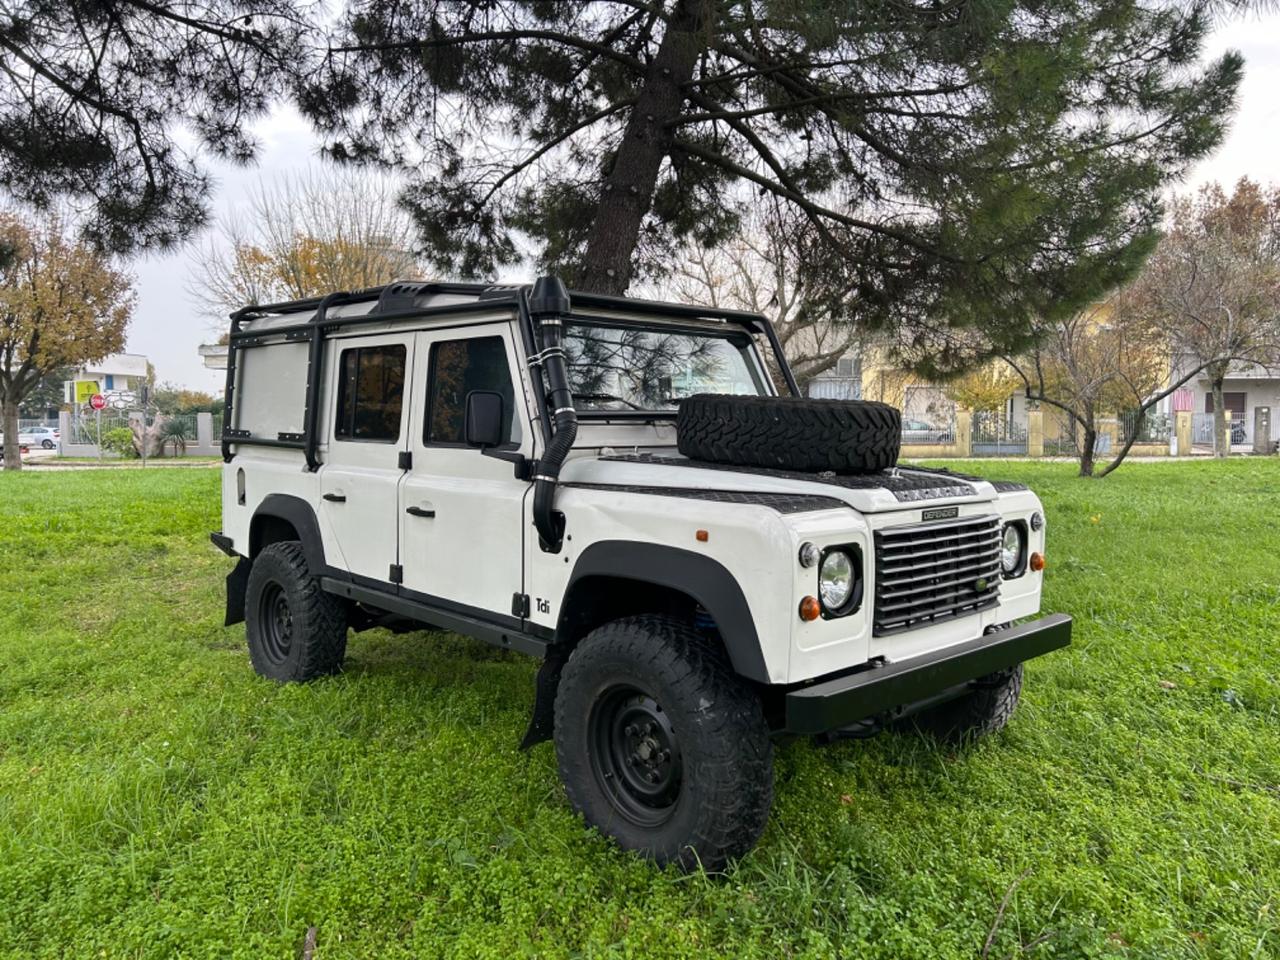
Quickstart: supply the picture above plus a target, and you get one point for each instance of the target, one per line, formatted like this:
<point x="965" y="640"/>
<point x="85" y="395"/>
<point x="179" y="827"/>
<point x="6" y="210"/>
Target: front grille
<point x="929" y="572"/>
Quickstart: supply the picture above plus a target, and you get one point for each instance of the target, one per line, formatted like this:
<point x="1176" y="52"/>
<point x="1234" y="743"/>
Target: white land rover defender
<point x="616" y="486"/>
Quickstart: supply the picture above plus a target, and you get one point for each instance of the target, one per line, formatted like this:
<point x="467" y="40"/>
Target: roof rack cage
<point x="397" y="300"/>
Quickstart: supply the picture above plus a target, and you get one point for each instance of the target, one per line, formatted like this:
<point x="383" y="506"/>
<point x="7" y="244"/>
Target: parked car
<point x="701" y="573"/>
<point x="45" y="437"/>
<point x="23" y="449"/>
<point x="918" y="431"/>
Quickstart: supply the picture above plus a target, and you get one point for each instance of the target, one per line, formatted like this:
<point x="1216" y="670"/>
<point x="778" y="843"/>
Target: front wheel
<point x="661" y="746"/>
<point x="296" y="631"/>
<point x="983" y="710"/>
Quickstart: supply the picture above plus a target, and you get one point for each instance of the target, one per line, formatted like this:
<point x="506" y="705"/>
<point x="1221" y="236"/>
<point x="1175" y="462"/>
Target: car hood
<point x="896" y="489"/>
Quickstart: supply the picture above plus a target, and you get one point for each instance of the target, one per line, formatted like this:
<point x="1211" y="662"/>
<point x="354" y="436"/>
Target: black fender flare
<point x="704" y="579"/>
<point x="301" y="516"/>
<point x="298" y="514"/>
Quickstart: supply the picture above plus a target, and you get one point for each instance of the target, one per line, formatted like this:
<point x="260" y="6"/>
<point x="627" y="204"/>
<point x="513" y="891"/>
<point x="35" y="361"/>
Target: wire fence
<point x="1153" y="428"/>
<point x="178" y="429"/>
<point x="925" y="432"/>
<point x="995" y="434"/>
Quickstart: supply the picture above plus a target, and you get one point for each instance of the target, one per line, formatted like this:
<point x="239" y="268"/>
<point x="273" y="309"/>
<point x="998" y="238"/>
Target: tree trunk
<point x="1086" y="450"/>
<point x="9" y="414"/>
<point x="628" y="190"/>
<point x="1221" y="441"/>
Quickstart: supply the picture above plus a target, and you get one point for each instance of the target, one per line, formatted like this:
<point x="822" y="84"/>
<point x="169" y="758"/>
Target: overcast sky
<point x="168" y="326"/>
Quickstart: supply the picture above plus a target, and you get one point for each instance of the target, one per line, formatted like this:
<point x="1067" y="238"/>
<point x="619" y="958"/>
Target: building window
<point x="1234" y="402"/>
<point x="110" y="382"/>
<point x="457" y="368"/>
<point x="370" y="393"/>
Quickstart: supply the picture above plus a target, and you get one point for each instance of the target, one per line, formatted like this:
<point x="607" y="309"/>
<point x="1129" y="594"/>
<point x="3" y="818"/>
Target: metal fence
<point x="1240" y="430"/>
<point x="996" y="435"/>
<point x="922" y="431"/>
<point x="835" y="388"/>
<point x="1155" y="427"/>
<point x="84" y="429"/>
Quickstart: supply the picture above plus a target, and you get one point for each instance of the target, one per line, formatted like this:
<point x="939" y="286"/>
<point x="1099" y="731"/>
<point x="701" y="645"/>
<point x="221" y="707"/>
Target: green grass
<point x="158" y="799"/>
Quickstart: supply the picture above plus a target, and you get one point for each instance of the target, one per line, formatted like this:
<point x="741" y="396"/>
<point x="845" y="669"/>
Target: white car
<point x="45" y="437"/>
<point x="615" y="486"/>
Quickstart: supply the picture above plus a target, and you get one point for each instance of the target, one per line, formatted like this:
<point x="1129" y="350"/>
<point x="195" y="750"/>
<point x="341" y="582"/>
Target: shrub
<point x="173" y="432"/>
<point x="120" y="441"/>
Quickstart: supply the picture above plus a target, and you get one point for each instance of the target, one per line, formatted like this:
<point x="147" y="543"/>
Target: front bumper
<point x="833" y="704"/>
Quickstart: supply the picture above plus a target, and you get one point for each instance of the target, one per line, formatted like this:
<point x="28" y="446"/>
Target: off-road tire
<point x="984" y="710"/>
<point x="317" y="621"/>
<point x="719" y="804"/>
<point x="790" y="433"/>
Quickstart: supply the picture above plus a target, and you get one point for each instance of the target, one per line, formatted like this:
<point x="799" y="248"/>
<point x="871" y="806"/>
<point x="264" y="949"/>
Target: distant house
<point x="214" y="355"/>
<point x="869" y="374"/>
<point x="118" y="376"/>
<point x="1246" y="388"/>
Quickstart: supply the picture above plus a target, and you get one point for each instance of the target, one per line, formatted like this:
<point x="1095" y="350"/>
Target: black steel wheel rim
<point x="276" y="622"/>
<point x="635" y="755"/>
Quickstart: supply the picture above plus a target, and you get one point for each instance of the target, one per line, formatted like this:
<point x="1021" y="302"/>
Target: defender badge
<point x="940" y="513"/>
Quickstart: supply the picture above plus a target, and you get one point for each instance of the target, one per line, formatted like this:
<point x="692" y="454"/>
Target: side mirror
<point x="484" y="420"/>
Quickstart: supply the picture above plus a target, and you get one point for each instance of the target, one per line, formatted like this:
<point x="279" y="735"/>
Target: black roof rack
<point x="397" y="300"/>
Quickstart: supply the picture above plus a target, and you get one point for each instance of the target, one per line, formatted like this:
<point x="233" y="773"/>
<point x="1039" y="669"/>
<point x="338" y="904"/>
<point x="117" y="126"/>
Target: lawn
<point x="158" y="799"/>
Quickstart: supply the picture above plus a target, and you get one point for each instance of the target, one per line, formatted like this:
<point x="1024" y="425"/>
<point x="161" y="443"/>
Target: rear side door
<point x="368" y="429"/>
<point x="461" y="509"/>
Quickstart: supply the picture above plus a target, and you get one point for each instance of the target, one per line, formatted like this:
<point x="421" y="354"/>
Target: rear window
<point x="370" y="393"/>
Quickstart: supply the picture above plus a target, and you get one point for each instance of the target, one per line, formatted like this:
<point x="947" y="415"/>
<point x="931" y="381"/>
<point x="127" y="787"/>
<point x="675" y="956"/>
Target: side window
<point x="370" y="392"/>
<point x="457" y="368"/>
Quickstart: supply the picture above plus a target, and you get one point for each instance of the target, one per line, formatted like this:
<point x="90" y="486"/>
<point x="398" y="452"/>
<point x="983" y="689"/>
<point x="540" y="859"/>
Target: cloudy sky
<point x="168" y="325"/>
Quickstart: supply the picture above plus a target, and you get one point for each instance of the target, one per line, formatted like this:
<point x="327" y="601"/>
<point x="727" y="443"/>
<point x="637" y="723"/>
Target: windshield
<point x="651" y="368"/>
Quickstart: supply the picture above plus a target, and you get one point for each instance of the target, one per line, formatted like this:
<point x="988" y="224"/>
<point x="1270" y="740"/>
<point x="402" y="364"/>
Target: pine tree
<point x="975" y="161"/>
<point x="91" y="92"/>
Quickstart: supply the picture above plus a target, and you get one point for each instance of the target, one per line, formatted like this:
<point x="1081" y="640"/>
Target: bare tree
<point x="1108" y="358"/>
<point x="773" y="266"/>
<point x="306" y="236"/>
<point x="1215" y="282"/>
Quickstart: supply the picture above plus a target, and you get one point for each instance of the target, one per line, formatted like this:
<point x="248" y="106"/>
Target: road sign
<point x="85" y="389"/>
<point x="97" y="401"/>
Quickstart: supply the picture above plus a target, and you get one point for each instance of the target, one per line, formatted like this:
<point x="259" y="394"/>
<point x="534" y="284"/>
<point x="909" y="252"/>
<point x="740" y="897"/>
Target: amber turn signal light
<point x="810" y="609"/>
<point x="1036" y="562"/>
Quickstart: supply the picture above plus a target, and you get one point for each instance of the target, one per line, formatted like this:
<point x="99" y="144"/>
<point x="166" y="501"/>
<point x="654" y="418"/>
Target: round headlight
<point x="1011" y="547"/>
<point x="836" y="580"/>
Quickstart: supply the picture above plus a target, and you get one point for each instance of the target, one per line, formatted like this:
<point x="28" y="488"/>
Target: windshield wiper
<point x="606" y="396"/>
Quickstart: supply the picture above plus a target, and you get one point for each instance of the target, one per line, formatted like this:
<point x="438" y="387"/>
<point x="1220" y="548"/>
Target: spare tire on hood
<point x="789" y="433"/>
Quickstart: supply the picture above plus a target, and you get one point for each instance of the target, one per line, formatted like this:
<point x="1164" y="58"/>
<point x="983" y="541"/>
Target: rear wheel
<point x="296" y="631"/>
<point x="47" y="444"/>
<point x="661" y="746"/>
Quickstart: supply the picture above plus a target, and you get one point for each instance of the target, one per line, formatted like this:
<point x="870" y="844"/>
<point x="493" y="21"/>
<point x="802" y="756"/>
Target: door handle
<point x="336" y="497"/>
<point x="419" y="512"/>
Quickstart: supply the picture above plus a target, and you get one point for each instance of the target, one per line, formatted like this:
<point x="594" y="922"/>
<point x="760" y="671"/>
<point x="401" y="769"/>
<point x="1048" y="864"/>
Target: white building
<point x="118" y="376"/>
<point x="1246" y="388"/>
<point x="214" y="355"/>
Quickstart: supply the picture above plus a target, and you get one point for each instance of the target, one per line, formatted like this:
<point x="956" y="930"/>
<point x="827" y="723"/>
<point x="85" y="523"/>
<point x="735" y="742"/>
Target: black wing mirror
<point x="484" y="420"/>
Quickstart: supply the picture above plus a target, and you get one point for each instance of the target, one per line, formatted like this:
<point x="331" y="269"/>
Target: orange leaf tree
<point x="61" y="303"/>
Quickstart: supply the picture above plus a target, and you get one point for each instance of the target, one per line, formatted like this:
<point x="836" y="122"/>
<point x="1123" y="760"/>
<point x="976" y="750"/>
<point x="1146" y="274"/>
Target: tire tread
<point x="792" y="433"/>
